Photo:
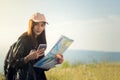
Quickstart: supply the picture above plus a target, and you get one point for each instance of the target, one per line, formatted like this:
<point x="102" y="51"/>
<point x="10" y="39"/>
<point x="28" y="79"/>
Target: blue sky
<point x="93" y="24"/>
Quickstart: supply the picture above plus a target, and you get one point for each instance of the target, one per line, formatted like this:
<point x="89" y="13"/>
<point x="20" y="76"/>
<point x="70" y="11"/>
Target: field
<point x="103" y="71"/>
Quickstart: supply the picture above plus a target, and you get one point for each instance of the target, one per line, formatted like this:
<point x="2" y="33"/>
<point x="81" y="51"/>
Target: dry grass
<point x="86" y="72"/>
<point x="103" y="71"/>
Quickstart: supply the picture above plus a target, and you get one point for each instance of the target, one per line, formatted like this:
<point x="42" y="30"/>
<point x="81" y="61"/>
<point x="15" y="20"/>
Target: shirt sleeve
<point x="18" y="54"/>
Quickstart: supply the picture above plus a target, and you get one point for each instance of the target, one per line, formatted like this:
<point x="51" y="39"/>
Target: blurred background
<point x="94" y="25"/>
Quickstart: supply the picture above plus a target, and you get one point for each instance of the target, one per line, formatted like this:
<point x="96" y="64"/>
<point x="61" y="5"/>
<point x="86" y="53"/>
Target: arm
<point x="21" y="57"/>
<point x="18" y="54"/>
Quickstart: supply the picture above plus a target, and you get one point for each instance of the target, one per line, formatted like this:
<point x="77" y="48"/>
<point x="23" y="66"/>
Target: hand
<point x="40" y="52"/>
<point x="34" y="55"/>
<point x="60" y="58"/>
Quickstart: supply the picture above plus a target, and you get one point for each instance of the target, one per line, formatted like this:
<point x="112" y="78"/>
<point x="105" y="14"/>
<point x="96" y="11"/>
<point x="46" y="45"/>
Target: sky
<point x="92" y="24"/>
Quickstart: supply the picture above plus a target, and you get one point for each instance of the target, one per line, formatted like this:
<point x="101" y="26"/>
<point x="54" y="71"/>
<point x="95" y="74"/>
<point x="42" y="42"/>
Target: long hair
<point x="41" y="39"/>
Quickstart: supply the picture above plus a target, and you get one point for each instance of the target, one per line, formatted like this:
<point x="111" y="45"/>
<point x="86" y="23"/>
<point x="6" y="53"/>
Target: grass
<point x="2" y="77"/>
<point x="102" y="71"/>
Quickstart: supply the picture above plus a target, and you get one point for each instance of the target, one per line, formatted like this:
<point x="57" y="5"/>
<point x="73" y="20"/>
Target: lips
<point x="38" y="31"/>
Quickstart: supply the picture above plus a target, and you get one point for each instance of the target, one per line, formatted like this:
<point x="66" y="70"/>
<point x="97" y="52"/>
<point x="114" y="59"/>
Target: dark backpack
<point x="9" y="71"/>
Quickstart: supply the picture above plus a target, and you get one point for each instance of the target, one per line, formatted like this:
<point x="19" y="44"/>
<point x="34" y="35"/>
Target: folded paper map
<point x="50" y="60"/>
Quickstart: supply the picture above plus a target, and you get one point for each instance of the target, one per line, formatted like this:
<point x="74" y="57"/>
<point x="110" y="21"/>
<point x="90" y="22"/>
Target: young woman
<point x="26" y="53"/>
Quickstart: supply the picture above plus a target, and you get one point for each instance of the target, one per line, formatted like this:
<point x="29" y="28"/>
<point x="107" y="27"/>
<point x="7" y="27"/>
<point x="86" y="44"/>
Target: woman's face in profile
<point x="39" y="28"/>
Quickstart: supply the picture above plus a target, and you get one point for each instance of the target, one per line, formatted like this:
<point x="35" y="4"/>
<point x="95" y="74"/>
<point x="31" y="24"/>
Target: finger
<point x="40" y="54"/>
<point x="60" y="54"/>
<point x="60" y="61"/>
<point x="40" y="51"/>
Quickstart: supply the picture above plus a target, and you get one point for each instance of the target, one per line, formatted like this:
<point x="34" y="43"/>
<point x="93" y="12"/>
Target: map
<point x="50" y="60"/>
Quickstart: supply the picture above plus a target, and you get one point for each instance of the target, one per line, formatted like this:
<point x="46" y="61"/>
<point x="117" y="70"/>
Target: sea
<point x="80" y="56"/>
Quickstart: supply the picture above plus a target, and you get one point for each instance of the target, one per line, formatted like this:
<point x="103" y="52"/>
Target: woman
<point x="26" y="53"/>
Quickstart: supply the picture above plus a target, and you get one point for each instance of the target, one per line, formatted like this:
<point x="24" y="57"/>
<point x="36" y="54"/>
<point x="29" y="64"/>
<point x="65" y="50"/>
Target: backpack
<point x="9" y="71"/>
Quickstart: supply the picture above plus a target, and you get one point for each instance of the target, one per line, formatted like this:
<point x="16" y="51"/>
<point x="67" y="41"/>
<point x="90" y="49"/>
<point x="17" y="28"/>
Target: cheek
<point x="43" y="28"/>
<point x="34" y="29"/>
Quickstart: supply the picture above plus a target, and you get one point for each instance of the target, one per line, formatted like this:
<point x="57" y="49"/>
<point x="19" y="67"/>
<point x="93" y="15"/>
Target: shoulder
<point x="24" y="38"/>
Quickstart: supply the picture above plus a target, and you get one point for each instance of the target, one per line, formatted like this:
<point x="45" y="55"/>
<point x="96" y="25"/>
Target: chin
<point x="38" y="34"/>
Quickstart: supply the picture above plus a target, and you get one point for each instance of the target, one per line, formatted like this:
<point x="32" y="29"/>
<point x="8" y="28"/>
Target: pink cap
<point x="38" y="17"/>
